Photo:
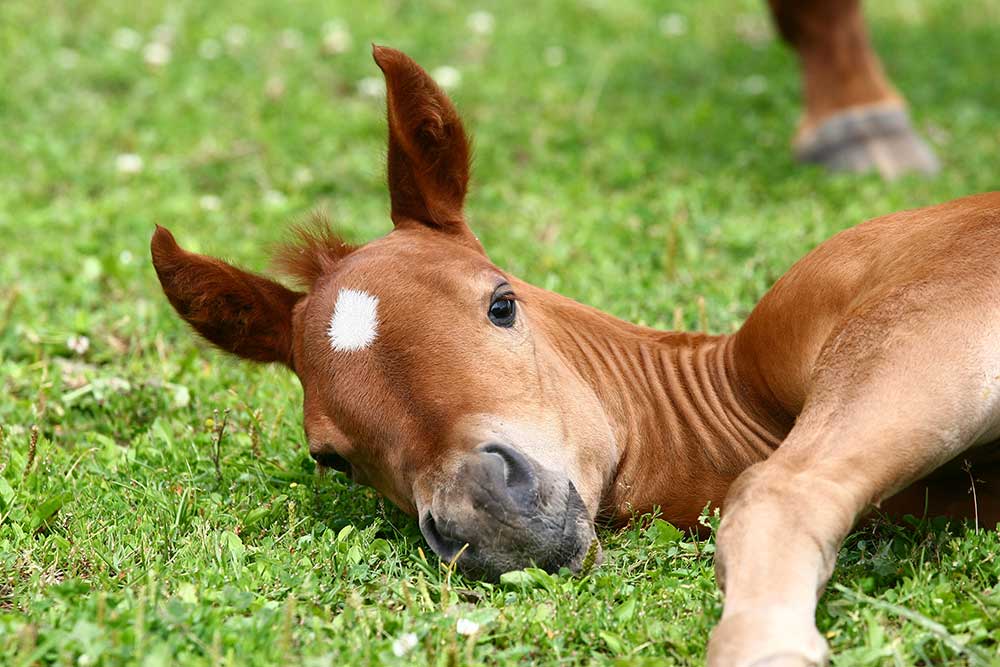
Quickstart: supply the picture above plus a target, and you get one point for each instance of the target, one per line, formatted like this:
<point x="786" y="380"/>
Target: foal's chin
<point x="502" y="511"/>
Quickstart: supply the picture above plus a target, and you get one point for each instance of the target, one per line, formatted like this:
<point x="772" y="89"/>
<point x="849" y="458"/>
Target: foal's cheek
<point x="589" y="449"/>
<point x="404" y="503"/>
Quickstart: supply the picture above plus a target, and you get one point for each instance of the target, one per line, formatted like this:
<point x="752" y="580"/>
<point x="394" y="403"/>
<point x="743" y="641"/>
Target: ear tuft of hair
<point x="314" y="251"/>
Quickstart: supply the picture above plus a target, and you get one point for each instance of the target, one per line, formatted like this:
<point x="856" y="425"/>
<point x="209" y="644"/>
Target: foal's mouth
<point x="448" y="547"/>
<point x="506" y="513"/>
<point x="502" y="512"/>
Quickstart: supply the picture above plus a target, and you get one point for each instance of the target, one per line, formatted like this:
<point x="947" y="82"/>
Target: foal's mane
<point x="313" y="251"/>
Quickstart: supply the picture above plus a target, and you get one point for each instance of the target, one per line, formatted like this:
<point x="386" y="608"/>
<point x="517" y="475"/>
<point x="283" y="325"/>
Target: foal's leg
<point x="783" y="525"/>
<point x="887" y="406"/>
<point x="854" y="120"/>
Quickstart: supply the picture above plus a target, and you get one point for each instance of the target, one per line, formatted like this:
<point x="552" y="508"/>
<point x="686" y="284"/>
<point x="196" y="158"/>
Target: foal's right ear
<point x="242" y="313"/>
<point x="428" y="160"/>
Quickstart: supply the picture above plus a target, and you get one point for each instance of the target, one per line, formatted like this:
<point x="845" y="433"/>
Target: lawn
<point x="631" y="155"/>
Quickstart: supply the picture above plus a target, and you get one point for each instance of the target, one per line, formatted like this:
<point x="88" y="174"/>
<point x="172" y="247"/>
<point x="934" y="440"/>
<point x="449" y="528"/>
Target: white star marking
<point x="354" y="325"/>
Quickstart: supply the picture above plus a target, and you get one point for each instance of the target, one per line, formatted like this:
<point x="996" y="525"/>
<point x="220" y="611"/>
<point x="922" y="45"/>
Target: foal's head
<point x="428" y="372"/>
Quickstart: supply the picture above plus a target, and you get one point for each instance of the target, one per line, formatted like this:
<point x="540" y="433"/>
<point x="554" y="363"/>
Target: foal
<point x="507" y="418"/>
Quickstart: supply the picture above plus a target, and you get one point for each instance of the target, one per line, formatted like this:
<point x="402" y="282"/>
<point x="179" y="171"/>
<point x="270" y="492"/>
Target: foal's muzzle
<point x="503" y="512"/>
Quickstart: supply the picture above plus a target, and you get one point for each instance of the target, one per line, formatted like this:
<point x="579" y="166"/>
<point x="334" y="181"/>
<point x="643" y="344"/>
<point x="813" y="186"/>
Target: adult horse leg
<point x="854" y="120"/>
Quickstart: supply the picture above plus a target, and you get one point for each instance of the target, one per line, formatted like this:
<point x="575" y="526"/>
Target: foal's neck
<point x="688" y="413"/>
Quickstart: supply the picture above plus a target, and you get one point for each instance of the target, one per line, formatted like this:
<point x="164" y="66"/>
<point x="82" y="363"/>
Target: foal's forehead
<point x="398" y="278"/>
<point x="406" y="263"/>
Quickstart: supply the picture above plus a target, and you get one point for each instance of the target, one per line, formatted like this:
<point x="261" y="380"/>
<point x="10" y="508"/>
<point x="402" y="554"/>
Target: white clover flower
<point x="336" y="37"/>
<point x="404" y="644"/>
<point x="755" y="84"/>
<point x="302" y="176"/>
<point x="67" y="58"/>
<point x="290" y="39"/>
<point x="78" y="344"/>
<point x="752" y="29"/>
<point x="466" y="627"/>
<point x="371" y="87"/>
<point x="126" y="39"/>
<point x="156" y="54"/>
<point x="554" y="56"/>
<point x="118" y="385"/>
<point x="673" y="25"/>
<point x="91" y="269"/>
<point x="274" y="87"/>
<point x="128" y="163"/>
<point x="481" y="22"/>
<point x="237" y="35"/>
<point x="209" y="203"/>
<point x="274" y="198"/>
<point x="447" y="77"/>
<point x="181" y="395"/>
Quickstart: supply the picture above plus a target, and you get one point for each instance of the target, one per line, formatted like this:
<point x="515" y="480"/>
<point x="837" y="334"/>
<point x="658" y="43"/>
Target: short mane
<point x="312" y="252"/>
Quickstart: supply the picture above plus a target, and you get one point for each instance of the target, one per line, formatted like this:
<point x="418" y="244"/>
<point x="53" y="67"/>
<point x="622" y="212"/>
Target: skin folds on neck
<point x="688" y="415"/>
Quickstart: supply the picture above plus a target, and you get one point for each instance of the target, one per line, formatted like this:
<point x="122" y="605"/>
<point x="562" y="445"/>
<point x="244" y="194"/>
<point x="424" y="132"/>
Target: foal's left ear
<point x="242" y="313"/>
<point x="428" y="149"/>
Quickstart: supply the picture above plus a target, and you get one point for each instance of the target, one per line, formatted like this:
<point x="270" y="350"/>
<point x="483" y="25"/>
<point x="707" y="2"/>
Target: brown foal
<point x="508" y="419"/>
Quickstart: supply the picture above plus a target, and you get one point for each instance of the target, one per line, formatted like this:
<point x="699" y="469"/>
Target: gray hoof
<point x="867" y="138"/>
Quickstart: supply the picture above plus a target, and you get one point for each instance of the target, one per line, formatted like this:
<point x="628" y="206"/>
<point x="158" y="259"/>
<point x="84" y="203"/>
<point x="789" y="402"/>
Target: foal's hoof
<point x="784" y="660"/>
<point x="865" y="138"/>
<point x="767" y="638"/>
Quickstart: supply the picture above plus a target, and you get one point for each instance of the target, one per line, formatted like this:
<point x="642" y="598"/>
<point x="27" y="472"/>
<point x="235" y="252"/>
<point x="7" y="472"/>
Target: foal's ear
<point x="428" y="150"/>
<point x="242" y="313"/>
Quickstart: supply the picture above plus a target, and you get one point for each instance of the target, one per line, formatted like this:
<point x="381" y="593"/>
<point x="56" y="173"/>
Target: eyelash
<point x="506" y="316"/>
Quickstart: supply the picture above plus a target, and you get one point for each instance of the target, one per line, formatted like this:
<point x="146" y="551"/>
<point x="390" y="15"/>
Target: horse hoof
<point x="767" y="637"/>
<point x="785" y="660"/>
<point x="861" y="139"/>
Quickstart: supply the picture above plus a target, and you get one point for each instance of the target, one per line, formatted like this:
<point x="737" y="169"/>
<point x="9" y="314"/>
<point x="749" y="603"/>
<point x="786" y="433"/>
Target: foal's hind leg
<point x="969" y="489"/>
<point x="854" y="119"/>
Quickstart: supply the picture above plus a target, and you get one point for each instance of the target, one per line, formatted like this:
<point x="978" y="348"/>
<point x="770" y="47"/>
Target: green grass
<point x="641" y="174"/>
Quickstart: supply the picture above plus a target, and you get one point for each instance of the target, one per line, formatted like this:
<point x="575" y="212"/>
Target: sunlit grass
<point x="631" y="155"/>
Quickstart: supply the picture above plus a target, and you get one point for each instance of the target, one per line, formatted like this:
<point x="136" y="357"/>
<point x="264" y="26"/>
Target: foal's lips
<point x="572" y="537"/>
<point x="486" y="541"/>
<point x="577" y="562"/>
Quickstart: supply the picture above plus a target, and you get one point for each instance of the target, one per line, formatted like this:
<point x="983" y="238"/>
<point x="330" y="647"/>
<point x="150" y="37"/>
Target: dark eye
<point x="503" y="310"/>
<point x="330" y="460"/>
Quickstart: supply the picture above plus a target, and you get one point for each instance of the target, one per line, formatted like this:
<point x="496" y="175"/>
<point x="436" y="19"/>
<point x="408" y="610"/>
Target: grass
<point x="639" y="172"/>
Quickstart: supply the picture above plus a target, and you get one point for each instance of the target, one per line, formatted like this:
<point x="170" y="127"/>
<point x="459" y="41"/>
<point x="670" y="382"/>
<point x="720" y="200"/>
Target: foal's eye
<point x="503" y="310"/>
<point x="335" y="461"/>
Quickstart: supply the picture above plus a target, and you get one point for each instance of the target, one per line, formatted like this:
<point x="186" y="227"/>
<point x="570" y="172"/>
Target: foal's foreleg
<point x="854" y="120"/>
<point x="784" y="521"/>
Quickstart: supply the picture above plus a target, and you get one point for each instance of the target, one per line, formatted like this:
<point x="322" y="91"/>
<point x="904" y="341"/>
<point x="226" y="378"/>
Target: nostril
<point x="445" y="546"/>
<point x="519" y="473"/>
